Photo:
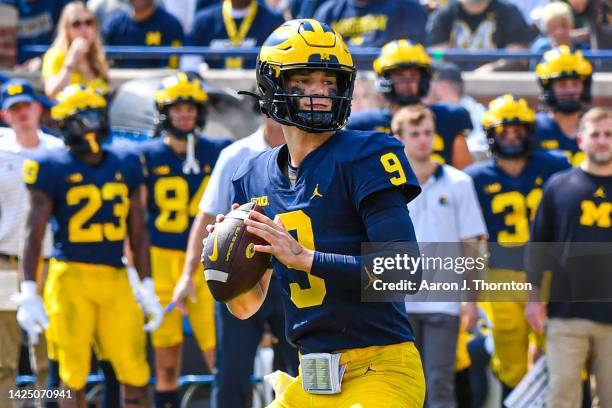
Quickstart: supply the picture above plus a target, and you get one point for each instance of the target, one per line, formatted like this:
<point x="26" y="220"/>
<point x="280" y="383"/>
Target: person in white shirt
<point x="21" y="110"/>
<point x="447" y="210"/>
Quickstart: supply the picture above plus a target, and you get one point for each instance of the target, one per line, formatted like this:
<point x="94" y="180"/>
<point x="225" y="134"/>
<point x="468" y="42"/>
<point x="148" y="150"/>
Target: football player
<point x="577" y="207"/>
<point x="325" y="192"/>
<point x="404" y="72"/>
<point x="237" y="340"/>
<point x="509" y="188"/>
<point x="93" y="196"/>
<point x="565" y="81"/>
<point x="177" y="169"/>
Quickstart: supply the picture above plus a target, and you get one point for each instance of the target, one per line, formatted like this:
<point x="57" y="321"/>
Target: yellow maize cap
<point x="180" y="88"/>
<point x="401" y="52"/>
<point x="562" y="61"/>
<point x="508" y="109"/>
<point x="305" y="42"/>
<point x="74" y="99"/>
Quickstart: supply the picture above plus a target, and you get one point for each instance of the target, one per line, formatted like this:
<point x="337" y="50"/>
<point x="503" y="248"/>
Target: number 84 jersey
<point x="322" y="212"/>
<point x="90" y="203"/>
<point x="173" y="196"/>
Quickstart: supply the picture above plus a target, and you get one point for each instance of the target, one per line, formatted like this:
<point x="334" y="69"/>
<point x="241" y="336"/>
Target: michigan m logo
<point x="15" y="89"/>
<point x="593" y="214"/>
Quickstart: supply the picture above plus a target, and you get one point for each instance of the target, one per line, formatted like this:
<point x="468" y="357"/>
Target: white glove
<point x="31" y="314"/>
<point x="135" y="283"/>
<point x="150" y="305"/>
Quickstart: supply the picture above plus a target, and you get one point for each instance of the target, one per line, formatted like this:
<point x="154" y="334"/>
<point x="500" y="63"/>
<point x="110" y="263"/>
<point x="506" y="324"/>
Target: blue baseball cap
<point x="17" y="90"/>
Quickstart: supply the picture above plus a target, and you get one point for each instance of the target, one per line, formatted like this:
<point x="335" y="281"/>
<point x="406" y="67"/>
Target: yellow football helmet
<point x="181" y="87"/>
<point x="81" y="115"/>
<point x="509" y="110"/>
<point x="402" y="54"/>
<point x="562" y="62"/>
<point x="304" y="44"/>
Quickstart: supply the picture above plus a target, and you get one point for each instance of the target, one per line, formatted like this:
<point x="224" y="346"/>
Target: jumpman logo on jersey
<point x="316" y="193"/>
<point x="371" y="278"/>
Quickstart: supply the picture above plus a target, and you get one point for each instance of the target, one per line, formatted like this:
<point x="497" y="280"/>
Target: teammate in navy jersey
<point x="370" y="23"/>
<point x="404" y="73"/>
<point x="509" y="187"/>
<point x="565" y="81"/>
<point x="576" y="207"/>
<point x="93" y="197"/>
<point x="147" y="24"/>
<point x="233" y="23"/>
<point x="333" y="190"/>
<point x="177" y="168"/>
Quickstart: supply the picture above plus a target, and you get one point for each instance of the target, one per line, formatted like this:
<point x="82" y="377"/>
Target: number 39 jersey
<point x="172" y="195"/>
<point x="321" y="211"/>
<point x="509" y="203"/>
<point x="90" y="203"/>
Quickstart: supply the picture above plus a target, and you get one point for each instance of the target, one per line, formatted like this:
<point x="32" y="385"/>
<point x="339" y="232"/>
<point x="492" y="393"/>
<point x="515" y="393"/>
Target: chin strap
<point x="191" y="164"/>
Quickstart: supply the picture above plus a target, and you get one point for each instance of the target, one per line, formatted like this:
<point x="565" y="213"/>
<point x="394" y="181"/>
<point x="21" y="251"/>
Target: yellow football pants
<point x="378" y="376"/>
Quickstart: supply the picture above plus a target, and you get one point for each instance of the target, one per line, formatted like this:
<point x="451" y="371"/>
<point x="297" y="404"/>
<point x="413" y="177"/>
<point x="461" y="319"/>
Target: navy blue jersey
<point x="209" y="30"/>
<point x="161" y="28"/>
<point x="509" y="203"/>
<point x="322" y="210"/>
<point x="496" y="27"/>
<point x="549" y="136"/>
<point x="90" y="203"/>
<point x="37" y="21"/>
<point x="577" y="207"/>
<point x="375" y="23"/>
<point x="451" y="120"/>
<point x="173" y="196"/>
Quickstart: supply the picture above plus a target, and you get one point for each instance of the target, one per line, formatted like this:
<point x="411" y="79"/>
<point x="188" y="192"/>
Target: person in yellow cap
<point x="324" y="193"/>
<point x="509" y="188"/>
<point x="565" y="79"/>
<point x="92" y="194"/>
<point x="178" y="164"/>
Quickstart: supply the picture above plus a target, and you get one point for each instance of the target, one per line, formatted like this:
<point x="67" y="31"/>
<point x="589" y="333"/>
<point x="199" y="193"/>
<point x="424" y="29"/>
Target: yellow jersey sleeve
<point x="52" y="63"/>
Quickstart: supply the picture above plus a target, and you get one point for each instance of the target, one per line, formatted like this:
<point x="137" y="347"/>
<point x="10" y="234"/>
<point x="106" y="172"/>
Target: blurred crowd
<point x="535" y="25"/>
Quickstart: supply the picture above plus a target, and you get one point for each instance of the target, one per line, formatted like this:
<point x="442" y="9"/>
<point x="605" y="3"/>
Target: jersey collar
<point x="308" y="165"/>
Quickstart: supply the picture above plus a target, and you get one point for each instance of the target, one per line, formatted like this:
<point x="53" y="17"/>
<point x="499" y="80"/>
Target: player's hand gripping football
<point x="282" y="245"/>
<point x="184" y="287"/>
<point x="31" y="314"/>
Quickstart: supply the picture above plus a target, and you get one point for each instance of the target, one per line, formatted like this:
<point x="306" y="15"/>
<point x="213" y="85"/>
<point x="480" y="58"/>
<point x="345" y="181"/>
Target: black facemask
<point x="85" y="131"/>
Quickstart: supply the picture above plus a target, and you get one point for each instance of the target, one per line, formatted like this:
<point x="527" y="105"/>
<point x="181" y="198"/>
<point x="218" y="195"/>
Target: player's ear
<point x="580" y="139"/>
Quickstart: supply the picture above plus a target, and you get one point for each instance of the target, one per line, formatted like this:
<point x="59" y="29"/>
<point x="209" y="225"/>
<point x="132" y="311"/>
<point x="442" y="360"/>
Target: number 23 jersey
<point x="90" y="203"/>
<point x="322" y="212"/>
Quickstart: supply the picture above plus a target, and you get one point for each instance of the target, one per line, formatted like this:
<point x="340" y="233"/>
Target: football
<point x="231" y="264"/>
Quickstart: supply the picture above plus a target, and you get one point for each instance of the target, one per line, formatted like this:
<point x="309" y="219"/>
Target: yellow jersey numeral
<point x="175" y="208"/>
<point x="392" y="165"/>
<point x="523" y="209"/>
<point x="79" y="231"/>
<point x="314" y="295"/>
